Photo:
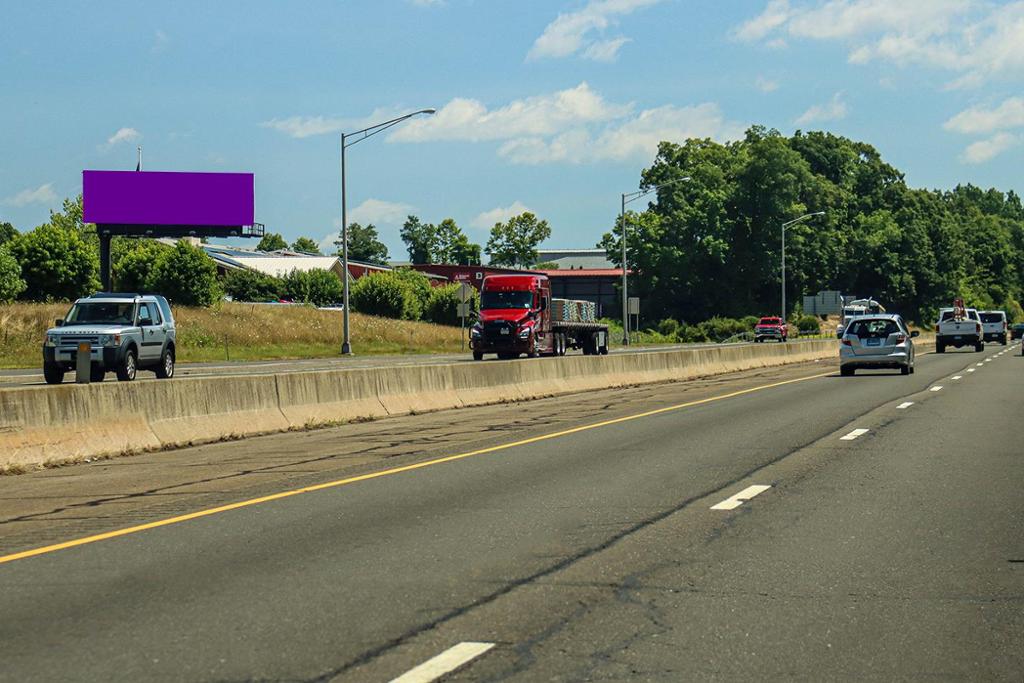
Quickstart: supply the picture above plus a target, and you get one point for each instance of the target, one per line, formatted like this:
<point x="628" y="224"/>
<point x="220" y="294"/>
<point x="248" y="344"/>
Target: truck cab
<point x="515" y="317"/>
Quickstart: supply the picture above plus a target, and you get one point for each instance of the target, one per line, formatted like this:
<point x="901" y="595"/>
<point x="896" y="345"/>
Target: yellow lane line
<point x="385" y="473"/>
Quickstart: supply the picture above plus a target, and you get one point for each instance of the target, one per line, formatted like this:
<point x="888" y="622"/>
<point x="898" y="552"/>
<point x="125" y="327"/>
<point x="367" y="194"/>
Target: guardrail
<point x="40" y="425"/>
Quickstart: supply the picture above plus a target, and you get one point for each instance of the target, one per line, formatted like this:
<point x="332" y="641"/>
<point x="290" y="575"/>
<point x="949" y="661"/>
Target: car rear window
<point x="991" y="317"/>
<point x="873" y="329"/>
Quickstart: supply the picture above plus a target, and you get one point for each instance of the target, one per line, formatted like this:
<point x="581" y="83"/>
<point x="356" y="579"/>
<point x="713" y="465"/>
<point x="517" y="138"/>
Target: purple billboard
<point x="159" y="198"/>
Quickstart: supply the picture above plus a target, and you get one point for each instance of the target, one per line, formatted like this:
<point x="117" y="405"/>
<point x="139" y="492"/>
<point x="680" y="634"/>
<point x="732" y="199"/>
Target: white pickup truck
<point x="993" y="326"/>
<point x="958" y="330"/>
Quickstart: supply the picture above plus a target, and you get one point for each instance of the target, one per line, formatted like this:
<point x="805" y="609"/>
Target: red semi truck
<point x="518" y="315"/>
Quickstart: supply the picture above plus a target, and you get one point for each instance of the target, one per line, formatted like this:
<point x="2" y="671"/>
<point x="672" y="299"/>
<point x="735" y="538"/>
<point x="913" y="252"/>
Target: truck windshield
<point x="770" y="321"/>
<point x="505" y="300"/>
<point x="101" y="312"/>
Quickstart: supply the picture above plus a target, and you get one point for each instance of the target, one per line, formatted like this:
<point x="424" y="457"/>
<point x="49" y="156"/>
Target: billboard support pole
<point x="105" y="261"/>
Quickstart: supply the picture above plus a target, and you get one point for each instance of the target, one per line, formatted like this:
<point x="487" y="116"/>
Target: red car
<point x="771" y="328"/>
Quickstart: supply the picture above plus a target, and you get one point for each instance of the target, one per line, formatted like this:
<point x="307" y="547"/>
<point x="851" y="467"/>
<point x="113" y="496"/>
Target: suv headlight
<point x="51" y="340"/>
<point x="110" y="340"/>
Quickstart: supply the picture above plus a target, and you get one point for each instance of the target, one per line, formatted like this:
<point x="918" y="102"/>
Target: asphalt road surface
<point x="34" y="376"/>
<point x="783" y="524"/>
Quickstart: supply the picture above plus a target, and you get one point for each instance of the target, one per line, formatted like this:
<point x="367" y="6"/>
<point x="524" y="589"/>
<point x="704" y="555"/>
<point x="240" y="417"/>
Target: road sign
<point x="463" y="310"/>
<point x="633" y="305"/>
<point x="465" y="292"/>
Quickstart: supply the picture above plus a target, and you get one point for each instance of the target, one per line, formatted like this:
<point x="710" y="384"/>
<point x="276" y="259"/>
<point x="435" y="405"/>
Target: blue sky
<point x="549" y="105"/>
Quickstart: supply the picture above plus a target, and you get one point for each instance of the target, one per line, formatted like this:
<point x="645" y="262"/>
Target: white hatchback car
<point x="876" y="341"/>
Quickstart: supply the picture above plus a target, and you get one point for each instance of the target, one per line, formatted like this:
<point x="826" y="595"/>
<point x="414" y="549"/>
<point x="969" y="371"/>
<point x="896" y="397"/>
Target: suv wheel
<point x="846" y="370"/>
<point x="166" y="368"/>
<point x="53" y="373"/>
<point x="128" y="367"/>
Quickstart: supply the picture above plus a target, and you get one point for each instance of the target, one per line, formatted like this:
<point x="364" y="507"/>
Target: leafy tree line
<point x="711" y="245"/>
<point x="511" y="244"/>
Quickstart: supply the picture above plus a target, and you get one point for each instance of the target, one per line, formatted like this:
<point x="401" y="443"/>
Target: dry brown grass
<point x="242" y="332"/>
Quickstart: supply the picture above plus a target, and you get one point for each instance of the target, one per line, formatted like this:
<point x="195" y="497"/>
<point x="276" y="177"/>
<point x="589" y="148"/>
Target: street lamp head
<point x="427" y="111"/>
<point x="818" y="213"/>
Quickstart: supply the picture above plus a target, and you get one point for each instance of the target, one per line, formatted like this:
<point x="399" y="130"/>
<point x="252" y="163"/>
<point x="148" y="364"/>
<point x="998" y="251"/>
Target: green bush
<point x="11" y="284"/>
<point x="420" y="288"/>
<point x="442" y="306"/>
<point x="808" y="324"/>
<point x="249" y="285"/>
<point x="669" y="327"/>
<point x="133" y="270"/>
<point x="750" y="322"/>
<point x="56" y="263"/>
<point x="385" y="294"/>
<point x="317" y="287"/>
<point x="185" y="275"/>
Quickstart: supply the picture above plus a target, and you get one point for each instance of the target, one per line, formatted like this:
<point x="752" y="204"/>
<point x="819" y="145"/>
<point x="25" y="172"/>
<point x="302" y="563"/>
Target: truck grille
<point x="492" y="332"/>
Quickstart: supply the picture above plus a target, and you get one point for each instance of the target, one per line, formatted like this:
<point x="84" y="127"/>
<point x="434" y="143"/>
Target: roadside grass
<point x="234" y="331"/>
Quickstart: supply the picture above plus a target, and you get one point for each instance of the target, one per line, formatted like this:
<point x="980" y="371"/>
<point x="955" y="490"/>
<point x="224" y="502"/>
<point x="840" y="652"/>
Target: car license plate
<point x="504" y="330"/>
<point x="874" y="342"/>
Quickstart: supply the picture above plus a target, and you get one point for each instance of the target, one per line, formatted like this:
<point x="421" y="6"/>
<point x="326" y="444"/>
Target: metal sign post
<point x="463" y="309"/>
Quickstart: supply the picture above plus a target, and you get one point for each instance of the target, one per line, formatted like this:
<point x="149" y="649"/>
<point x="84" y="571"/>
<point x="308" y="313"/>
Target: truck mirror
<point x="59" y="322"/>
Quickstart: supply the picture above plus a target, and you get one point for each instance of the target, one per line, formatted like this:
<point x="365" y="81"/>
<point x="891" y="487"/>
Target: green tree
<point x="364" y="244"/>
<point x="514" y="243"/>
<point x="11" y="284"/>
<point x="56" y="263"/>
<point x="385" y="294"/>
<point x="249" y="285"/>
<point x="317" y="287"/>
<point x="7" y="233"/>
<point x="452" y="245"/>
<point x="131" y="271"/>
<point x="272" y="241"/>
<point x="186" y="276"/>
<point x="419" y="288"/>
<point x="306" y="244"/>
<point x="442" y="306"/>
<point x="420" y="240"/>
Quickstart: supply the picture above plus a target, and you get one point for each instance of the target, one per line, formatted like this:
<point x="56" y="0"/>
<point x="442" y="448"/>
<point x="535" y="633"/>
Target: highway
<point x="772" y="524"/>
<point x="34" y="376"/>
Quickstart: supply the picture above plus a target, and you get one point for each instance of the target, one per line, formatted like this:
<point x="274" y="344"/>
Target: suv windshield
<point x="505" y="300"/>
<point x="991" y="317"/>
<point x="105" y="312"/>
<point x="873" y="329"/>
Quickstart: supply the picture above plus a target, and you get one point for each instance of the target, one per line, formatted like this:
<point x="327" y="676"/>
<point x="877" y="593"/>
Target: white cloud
<point x="774" y="15"/>
<point x="572" y="32"/>
<point x="43" y="194"/>
<point x="984" y="150"/>
<point x="766" y="84"/>
<point x="979" y="120"/>
<point x="499" y="214"/>
<point x="471" y="120"/>
<point x="974" y="39"/>
<point x="124" y="135"/>
<point x="381" y="213"/>
<point x="305" y="126"/>
<point x="834" y="110"/>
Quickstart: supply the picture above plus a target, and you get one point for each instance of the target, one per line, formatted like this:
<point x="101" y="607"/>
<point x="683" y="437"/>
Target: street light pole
<point x="785" y="226"/>
<point x="626" y="198"/>
<point x="359" y="135"/>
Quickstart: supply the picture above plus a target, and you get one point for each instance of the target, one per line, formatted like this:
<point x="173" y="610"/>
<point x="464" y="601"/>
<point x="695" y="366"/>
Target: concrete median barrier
<point x="54" y="424"/>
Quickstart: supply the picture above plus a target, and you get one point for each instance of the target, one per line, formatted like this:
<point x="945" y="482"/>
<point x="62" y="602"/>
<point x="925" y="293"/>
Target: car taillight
<point x="900" y="338"/>
<point x="979" y="328"/>
<point x="936" y="329"/>
<point x="847" y="342"/>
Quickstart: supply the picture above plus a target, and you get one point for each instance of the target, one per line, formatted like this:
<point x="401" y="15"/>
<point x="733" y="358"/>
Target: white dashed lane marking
<point x="939" y="388"/>
<point x="446" y="662"/>
<point x="854" y="434"/>
<point x="733" y="502"/>
<point x="957" y="377"/>
<point x="904" y="405"/>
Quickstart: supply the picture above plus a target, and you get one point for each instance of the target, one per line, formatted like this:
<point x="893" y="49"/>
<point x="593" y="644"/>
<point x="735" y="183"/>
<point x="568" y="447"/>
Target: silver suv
<point x="126" y="333"/>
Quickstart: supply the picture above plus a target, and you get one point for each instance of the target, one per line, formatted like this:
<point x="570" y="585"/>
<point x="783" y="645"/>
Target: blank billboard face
<point x="157" y="198"/>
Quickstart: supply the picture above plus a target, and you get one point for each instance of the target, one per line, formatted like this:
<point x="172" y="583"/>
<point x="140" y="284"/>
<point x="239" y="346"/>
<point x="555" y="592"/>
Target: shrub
<point x="442" y="306"/>
<point x="185" y="275"/>
<point x="249" y="285"/>
<point x="56" y="263"/>
<point x="133" y="270"/>
<point x="669" y="327"/>
<point x="384" y="294"/>
<point x="808" y="324"/>
<point x="317" y="287"/>
<point x="419" y="287"/>
<point x="11" y="284"/>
